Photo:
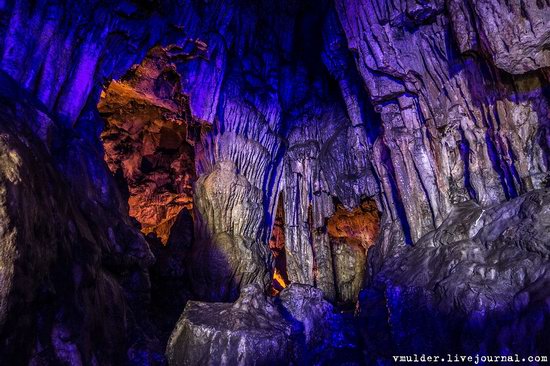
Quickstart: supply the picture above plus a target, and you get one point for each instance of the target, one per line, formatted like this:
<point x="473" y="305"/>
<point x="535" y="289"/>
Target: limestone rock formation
<point x="254" y="330"/>
<point x="63" y="51"/>
<point x="351" y="233"/>
<point x="85" y="297"/>
<point x="317" y="171"/>
<point x="483" y="268"/>
<point x="436" y="112"/>
<point x="227" y="253"/>
<point x="455" y="127"/>
<point x="514" y="34"/>
<point x="148" y="140"/>
<point x="305" y="305"/>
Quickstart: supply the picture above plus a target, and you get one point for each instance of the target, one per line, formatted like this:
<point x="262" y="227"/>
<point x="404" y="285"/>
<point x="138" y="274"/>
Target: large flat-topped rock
<point x="254" y="330"/>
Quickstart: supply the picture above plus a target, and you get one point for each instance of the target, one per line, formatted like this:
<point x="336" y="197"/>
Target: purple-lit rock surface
<point x="66" y="262"/>
<point x="455" y="127"/>
<point x="477" y="282"/>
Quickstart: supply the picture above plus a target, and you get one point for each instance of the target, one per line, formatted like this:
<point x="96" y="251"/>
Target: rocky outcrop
<point x="305" y="306"/>
<point x="254" y="330"/>
<point x="482" y="269"/>
<point x="238" y="164"/>
<point x="249" y="332"/>
<point x="148" y="140"/>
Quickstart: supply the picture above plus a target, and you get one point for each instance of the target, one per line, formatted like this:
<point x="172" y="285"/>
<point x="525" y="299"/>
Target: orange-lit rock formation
<point x="358" y="226"/>
<point x="351" y="233"/>
<point x="277" y="246"/>
<point x="148" y="140"/>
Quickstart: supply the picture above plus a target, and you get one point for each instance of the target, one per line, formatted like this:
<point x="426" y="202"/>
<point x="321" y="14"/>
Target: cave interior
<point x="274" y="182"/>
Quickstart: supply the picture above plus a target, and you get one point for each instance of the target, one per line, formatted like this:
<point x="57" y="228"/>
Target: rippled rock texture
<point x="456" y="124"/>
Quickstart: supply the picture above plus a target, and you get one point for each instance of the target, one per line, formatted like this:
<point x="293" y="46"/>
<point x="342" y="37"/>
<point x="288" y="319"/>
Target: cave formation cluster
<point x="273" y="182"/>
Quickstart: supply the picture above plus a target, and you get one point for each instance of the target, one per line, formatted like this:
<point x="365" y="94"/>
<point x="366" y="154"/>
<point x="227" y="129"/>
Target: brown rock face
<point x="358" y="226"/>
<point x="148" y="140"/>
<point x="351" y="233"/>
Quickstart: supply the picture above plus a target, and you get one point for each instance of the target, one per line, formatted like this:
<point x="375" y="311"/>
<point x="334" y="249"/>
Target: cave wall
<point x="280" y="127"/>
<point x="235" y="194"/>
<point x="77" y="289"/>
<point x="461" y="118"/>
<point x="425" y="116"/>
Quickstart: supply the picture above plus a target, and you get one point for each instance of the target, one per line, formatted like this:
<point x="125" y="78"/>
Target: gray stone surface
<point x="248" y="332"/>
<point x="254" y="330"/>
